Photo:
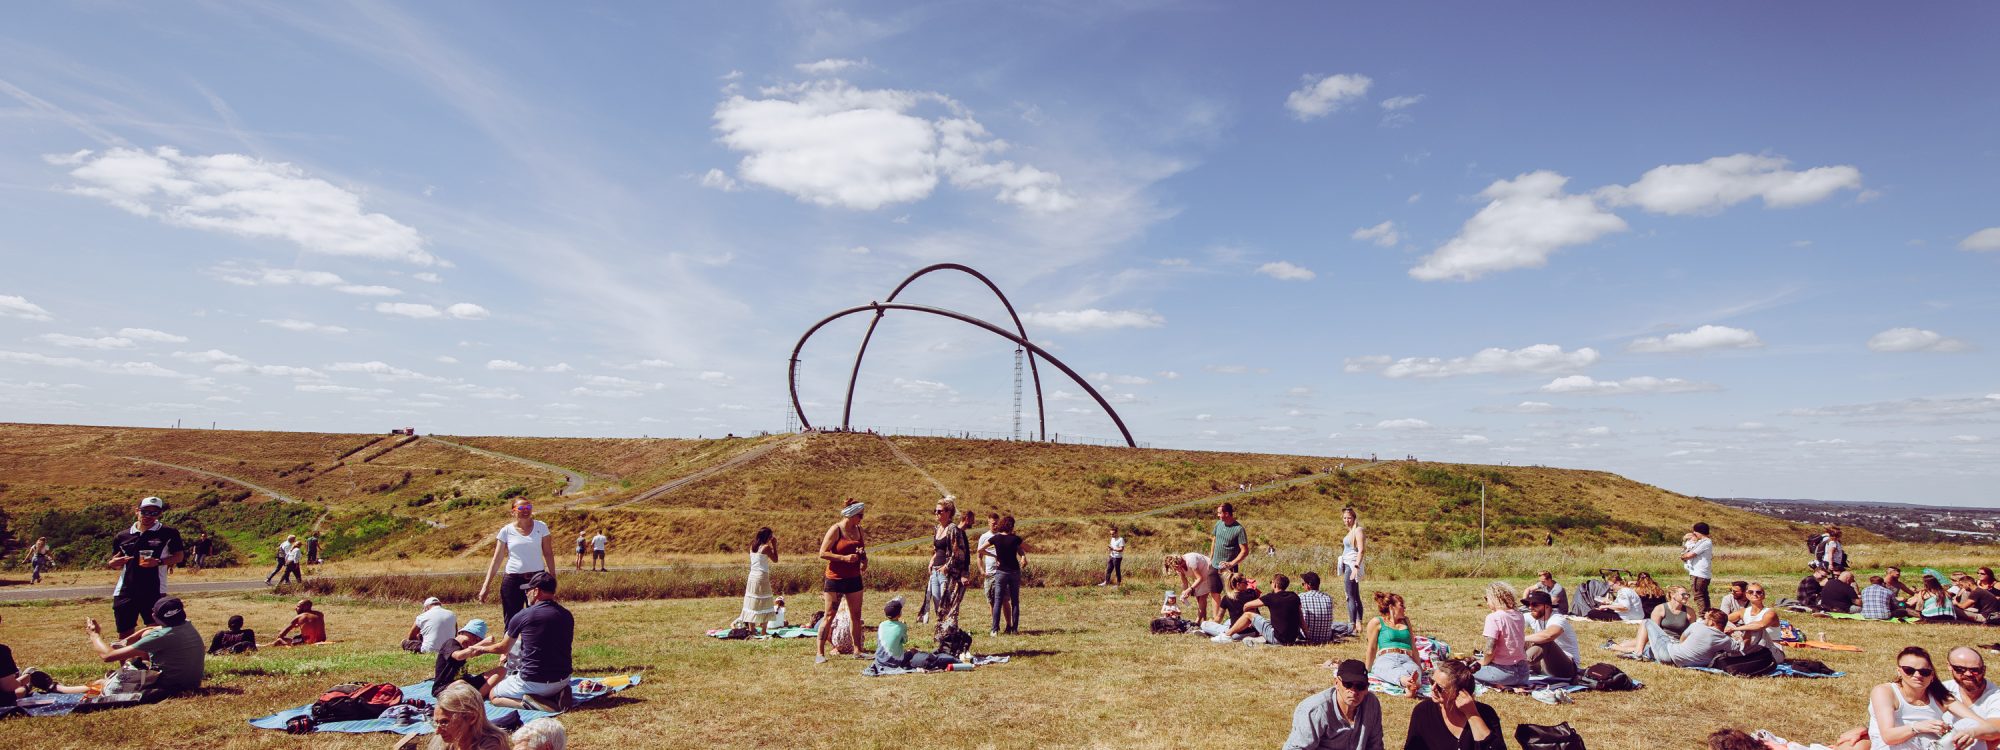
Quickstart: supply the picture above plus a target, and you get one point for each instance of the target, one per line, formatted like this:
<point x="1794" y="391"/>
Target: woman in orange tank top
<point x="844" y="548"/>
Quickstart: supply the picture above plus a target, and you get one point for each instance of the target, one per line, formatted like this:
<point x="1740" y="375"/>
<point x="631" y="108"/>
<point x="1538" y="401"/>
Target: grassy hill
<point x="385" y="497"/>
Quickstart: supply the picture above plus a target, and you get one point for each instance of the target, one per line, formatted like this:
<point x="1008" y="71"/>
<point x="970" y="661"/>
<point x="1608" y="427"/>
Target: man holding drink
<point x="142" y="554"/>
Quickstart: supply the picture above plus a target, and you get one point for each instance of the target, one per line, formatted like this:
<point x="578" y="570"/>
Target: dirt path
<point x="733" y="462"/>
<point x="576" y="480"/>
<point x="274" y="494"/>
<point x="905" y="458"/>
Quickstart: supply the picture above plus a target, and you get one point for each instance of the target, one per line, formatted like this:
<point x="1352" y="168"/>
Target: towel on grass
<point x="795" y="631"/>
<point x="877" y="670"/>
<point x="1850" y="616"/>
<point x="423" y="690"/>
<point x="1826" y="646"/>
<point x="1783" y="670"/>
<point x="49" y="704"/>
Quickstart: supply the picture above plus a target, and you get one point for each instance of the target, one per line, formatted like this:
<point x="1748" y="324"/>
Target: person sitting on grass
<point x="891" y="637"/>
<point x="236" y="640"/>
<point x="173" y="647"/>
<point x="1199" y="581"/>
<point x="460" y="718"/>
<point x="1552" y="647"/>
<point x="1985" y="580"/>
<point x="1970" y="686"/>
<point x="451" y="659"/>
<point x="1838" y="594"/>
<point x="310" y="624"/>
<point x="1343" y="717"/>
<point x="432" y="629"/>
<point x="1672" y="615"/>
<point x="540" y="639"/>
<point x="1910" y="712"/>
<point x="1976" y="604"/>
<point x="1650" y="593"/>
<point x="1811" y="586"/>
<point x="1505" y="662"/>
<point x="1315" y="610"/>
<point x="1696" y="647"/>
<point x="1452" y="719"/>
<point x="1932" y="603"/>
<point x="1878" y="601"/>
<point x="541" y="734"/>
<point x="1391" y="651"/>
<point x="1757" y="625"/>
<point x="1546" y="582"/>
<point x="1274" y="616"/>
<point x="1738" y="597"/>
<point x="1892" y="577"/>
<point x="1242" y="590"/>
<point x="1620" y="603"/>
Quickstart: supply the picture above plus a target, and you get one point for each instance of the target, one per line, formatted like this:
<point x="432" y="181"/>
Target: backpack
<point x="1169" y="625"/>
<point x="1753" y="664"/>
<point x="1602" y="676"/>
<point x="355" y="701"/>
<point x="955" y="642"/>
<point x="1539" y="737"/>
<point x="1815" y="543"/>
<point x="1809" y="666"/>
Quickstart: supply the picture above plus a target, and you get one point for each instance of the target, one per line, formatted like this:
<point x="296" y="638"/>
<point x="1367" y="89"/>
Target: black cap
<point x="169" y="611"/>
<point x="541" y="580"/>
<point x="1537" y="596"/>
<point x="1352" y="670"/>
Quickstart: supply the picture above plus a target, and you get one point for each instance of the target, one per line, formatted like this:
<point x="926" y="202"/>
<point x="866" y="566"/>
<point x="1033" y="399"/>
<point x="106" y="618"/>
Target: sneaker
<point x="1552" y="696"/>
<point x="821" y="659"/>
<point x="1224" y="638"/>
<point x="993" y="634"/>
<point x="1104" y="584"/>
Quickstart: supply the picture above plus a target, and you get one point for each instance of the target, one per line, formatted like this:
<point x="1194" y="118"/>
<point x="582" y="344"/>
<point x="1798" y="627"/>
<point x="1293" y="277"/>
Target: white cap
<point x="153" y="502"/>
<point x="433" y="601"/>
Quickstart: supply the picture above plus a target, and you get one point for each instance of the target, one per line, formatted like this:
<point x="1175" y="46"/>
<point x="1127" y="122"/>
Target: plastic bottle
<point x="781" y="616"/>
<point x="961" y="667"/>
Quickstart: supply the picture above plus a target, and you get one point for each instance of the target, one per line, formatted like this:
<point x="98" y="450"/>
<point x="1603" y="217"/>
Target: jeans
<point x="1495" y="674"/>
<point x="1551" y="660"/>
<point x="1393" y="667"/>
<point x="1353" y="596"/>
<point x="940" y="596"/>
<point x="1698" y="591"/>
<point x="276" y="569"/>
<point x="1003" y="592"/>
<point x="1213" y="629"/>
<point x="292" y="572"/>
<point x="1114" y="567"/>
<point x="1657" y="641"/>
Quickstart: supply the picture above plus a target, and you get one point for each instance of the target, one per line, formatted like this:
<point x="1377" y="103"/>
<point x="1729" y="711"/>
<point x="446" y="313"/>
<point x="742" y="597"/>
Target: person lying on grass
<point x="1274" y="616"/>
<point x="1696" y="647"/>
<point x="310" y="624"/>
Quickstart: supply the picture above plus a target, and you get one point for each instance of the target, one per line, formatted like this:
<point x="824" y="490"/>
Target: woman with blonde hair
<point x="1390" y="656"/>
<point x="1505" y="661"/>
<point x="1673" y="615"/>
<point x="1650" y="593"/>
<point x="460" y="718"/>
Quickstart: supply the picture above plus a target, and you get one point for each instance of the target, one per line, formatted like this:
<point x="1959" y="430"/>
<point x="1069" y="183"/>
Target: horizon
<point x="1707" y="257"/>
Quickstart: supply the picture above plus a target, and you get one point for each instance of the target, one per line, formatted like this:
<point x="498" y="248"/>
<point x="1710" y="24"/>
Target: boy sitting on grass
<point x="889" y="643"/>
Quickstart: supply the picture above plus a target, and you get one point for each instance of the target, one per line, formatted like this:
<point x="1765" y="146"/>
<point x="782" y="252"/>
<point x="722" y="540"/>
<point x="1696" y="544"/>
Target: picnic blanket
<point x="795" y="631"/>
<point x="877" y="670"/>
<point x="423" y="690"/>
<point x="1852" y="616"/>
<point x="49" y="704"/>
<point x="1783" y="670"/>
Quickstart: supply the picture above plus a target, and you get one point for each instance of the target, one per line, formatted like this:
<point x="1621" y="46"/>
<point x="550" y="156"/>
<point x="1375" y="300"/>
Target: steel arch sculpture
<point x="792" y="378"/>
<point x="1041" y="411"/>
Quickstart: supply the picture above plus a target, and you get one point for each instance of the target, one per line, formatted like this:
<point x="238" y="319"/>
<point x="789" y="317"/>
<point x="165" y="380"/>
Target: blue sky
<point x="1735" y="251"/>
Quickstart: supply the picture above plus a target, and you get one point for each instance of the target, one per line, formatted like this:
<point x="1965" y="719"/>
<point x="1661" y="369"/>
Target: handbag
<point x="1539" y="737"/>
<point x="125" y="680"/>
<point x="1753" y="664"/>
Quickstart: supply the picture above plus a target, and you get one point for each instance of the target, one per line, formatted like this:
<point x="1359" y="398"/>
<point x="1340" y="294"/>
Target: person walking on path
<point x="597" y="545"/>
<point x="1114" y="566"/>
<point x="525" y="547"/>
<point x="845" y="550"/>
<point x="142" y="555"/>
<point x="283" y="555"/>
<point x="759" y="601"/>
<point x="38" y="558"/>
<point x="1352" y="547"/>
<point x="293" y="553"/>
<point x="1232" y="542"/>
<point x="1698" y="556"/>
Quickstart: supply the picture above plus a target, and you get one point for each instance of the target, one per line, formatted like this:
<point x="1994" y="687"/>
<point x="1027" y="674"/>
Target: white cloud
<point x="12" y="306"/>
<point x="1536" y="359"/>
<point x="659" y="364"/>
<point x="1725" y="181"/>
<point x="247" y="196"/>
<point x="1967" y="439"/>
<point x="716" y="179"/>
<point x="92" y="365"/>
<point x="1105" y="377"/>
<point x="612" y="381"/>
<point x="369" y="290"/>
<point x="559" y="367"/>
<point x="276" y="371"/>
<point x="1584" y="384"/>
<point x="1285" y="271"/>
<point x="148" y="334"/>
<point x="1401" y="102"/>
<point x="1471" y="440"/>
<point x="507" y="365"/>
<point x="1092" y="319"/>
<point x="1915" y="340"/>
<point x="1168" y="375"/>
<point x="1527" y="220"/>
<point x="716" y="377"/>
<point x="920" y="387"/>
<point x="603" y="392"/>
<point x="385" y="371"/>
<point x="829" y="66"/>
<point x="1598" y="431"/>
<point x="80" y="342"/>
<point x="1383" y="234"/>
<point x="303" y="326"/>
<point x="344" y="389"/>
<point x="467" y="311"/>
<point x="833" y="144"/>
<point x="1319" y="96"/>
<point x="1402" y="424"/>
<point x="447" y="359"/>
<point x="261" y="276"/>
<point x="408" y="309"/>
<point x="427" y="277"/>
<point x="210" y="357"/>
<point x="1525" y="407"/>
<point x="1699" y="339"/>
<point x="1984" y="240"/>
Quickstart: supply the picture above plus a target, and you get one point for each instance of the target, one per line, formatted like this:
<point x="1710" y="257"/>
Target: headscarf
<point x="852" y="510"/>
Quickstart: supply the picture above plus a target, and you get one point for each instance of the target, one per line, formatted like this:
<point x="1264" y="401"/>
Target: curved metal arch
<point x="853" y="376"/>
<point x="879" y="308"/>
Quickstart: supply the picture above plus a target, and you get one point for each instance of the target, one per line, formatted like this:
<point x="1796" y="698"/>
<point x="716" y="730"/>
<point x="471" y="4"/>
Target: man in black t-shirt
<point x="1276" y="616"/>
<point x="1838" y="594"/>
<point x="540" y="638"/>
<point x="142" y="553"/>
<point x="1976" y="604"/>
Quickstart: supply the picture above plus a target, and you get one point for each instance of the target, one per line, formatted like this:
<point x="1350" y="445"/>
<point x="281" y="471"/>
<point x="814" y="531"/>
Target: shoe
<point x="1609" y="643"/>
<point x="1104" y="584"/>
<point x="1224" y="638"/>
<point x="821" y="659"/>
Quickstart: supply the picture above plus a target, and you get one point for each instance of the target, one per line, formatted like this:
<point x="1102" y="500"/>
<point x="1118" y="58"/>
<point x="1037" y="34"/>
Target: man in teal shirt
<point x="1232" y="543"/>
<point x="173" y="647"/>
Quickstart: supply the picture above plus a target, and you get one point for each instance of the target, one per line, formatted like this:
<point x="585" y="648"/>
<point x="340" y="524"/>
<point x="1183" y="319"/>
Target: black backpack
<point x="1753" y="664"/>
<point x="955" y="642"/>
<point x="1539" y="737"/>
<point x="1602" y="676"/>
<point x="1814" y="543"/>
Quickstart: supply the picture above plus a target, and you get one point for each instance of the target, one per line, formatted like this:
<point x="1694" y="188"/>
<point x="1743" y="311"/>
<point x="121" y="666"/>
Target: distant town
<point x="1900" y="521"/>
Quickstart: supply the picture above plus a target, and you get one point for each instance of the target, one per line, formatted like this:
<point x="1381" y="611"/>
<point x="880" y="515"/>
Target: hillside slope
<point x="386" y="496"/>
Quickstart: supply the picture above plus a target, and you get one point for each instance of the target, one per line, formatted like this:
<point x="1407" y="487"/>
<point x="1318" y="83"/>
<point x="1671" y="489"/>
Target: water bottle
<point x="781" y="615"/>
<point x="960" y="667"/>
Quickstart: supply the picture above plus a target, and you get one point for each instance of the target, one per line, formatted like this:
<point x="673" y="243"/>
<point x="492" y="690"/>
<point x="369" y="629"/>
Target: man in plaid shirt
<point x="1316" y="609"/>
<point x="1876" y="599"/>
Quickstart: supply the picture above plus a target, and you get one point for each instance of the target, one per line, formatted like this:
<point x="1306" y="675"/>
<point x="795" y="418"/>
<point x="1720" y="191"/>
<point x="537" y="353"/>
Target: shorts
<point x="841" y="586"/>
<point x="516" y="688"/>
<point x="1210" y="584"/>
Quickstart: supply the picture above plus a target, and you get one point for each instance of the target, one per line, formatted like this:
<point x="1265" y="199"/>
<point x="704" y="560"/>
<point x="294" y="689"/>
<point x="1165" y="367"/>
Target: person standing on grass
<point x="525" y="548"/>
<point x="988" y="561"/>
<point x="1232" y="542"/>
<point x="38" y="558"/>
<point x="1010" y="555"/>
<point x="142" y="554"/>
<point x="1199" y="582"/>
<point x="1698" y="556"/>
<point x="1114" y="566"/>
<point x="759" y="601"/>
<point x="1505" y="662"/>
<point x="845" y="550"/>
<point x="963" y="564"/>
<point x="581" y="542"/>
<point x="948" y="547"/>
<point x="1832" y="553"/>
<point x="1343" y="717"/>
<point x="312" y="549"/>
<point x="1352" y="547"/>
<point x="597" y="545"/>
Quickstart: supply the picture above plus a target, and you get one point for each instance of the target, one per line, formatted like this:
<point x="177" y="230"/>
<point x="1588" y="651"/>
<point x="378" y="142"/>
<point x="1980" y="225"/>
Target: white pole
<point x="1482" y="516"/>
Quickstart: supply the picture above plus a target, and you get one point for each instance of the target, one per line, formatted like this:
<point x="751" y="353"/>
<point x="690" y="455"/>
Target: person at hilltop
<point x="524" y="547"/>
<point x="294" y="551"/>
<point x="1114" y="563"/>
<point x="201" y="548"/>
<point x="433" y="628"/>
<point x="948" y="546"/>
<point x="1391" y="643"/>
<point x="759" y="600"/>
<point x="964" y="566"/>
<point x="38" y="558"/>
<point x="988" y="559"/>
<point x="1505" y="661"/>
<point x="236" y="640"/>
<point x="1910" y="712"/>
<point x="1551" y="637"/>
<point x="309" y="623"/>
<point x="1275" y="616"/>
<point x="171" y="646"/>
<point x="1010" y="554"/>
<point x="142" y="555"/>
<point x="1698" y="557"/>
<point x="1200" y="582"/>
<point x="1232" y="541"/>
<point x="1838" y="594"/>
<point x="312" y="549"/>
<point x="1832" y="552"/>
<point x="845" y="551"/>
<point x="1452" y="719"/>
<point x="1343" y="717"/>
<point x="1545" y="582"/>
<point x="1353" y="546"/>
<point x="1315" y="609"/>
<point x="598" y="545"/>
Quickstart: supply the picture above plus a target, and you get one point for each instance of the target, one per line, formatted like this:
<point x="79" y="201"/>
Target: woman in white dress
<point x="759" y="602"/>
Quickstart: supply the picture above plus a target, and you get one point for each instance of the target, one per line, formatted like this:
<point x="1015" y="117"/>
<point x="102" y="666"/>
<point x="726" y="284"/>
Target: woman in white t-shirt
<point x="524" y="545"/>
<point x="1114" y="566"/>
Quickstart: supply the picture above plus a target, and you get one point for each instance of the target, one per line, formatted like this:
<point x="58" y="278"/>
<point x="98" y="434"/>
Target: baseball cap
<point x="1352" y="671"/>
<point x="433" y="601"/>
<point x="477" y="628"/>
<point x="169" y="611"/>
<point x="152" y="502"/>
<point x="1537" y="597"/>
<point x="541" y="580"/>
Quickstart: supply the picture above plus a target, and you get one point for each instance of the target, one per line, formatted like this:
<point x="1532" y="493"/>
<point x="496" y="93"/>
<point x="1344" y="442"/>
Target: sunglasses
<point x="1968" y="670"/>
<point x="1918" y="671"/>
<point x="149" y="511"/>
<point x="1756" y="592"/>
<point x="525" y="506"/>
<point x="1355" y="686"/>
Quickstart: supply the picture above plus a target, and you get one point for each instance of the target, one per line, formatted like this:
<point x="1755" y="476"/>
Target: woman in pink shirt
<point x="1505" y="661"/>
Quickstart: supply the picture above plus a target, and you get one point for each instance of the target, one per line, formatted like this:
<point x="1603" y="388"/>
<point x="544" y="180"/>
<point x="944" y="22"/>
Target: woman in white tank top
<point x="1914" y="712"/>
